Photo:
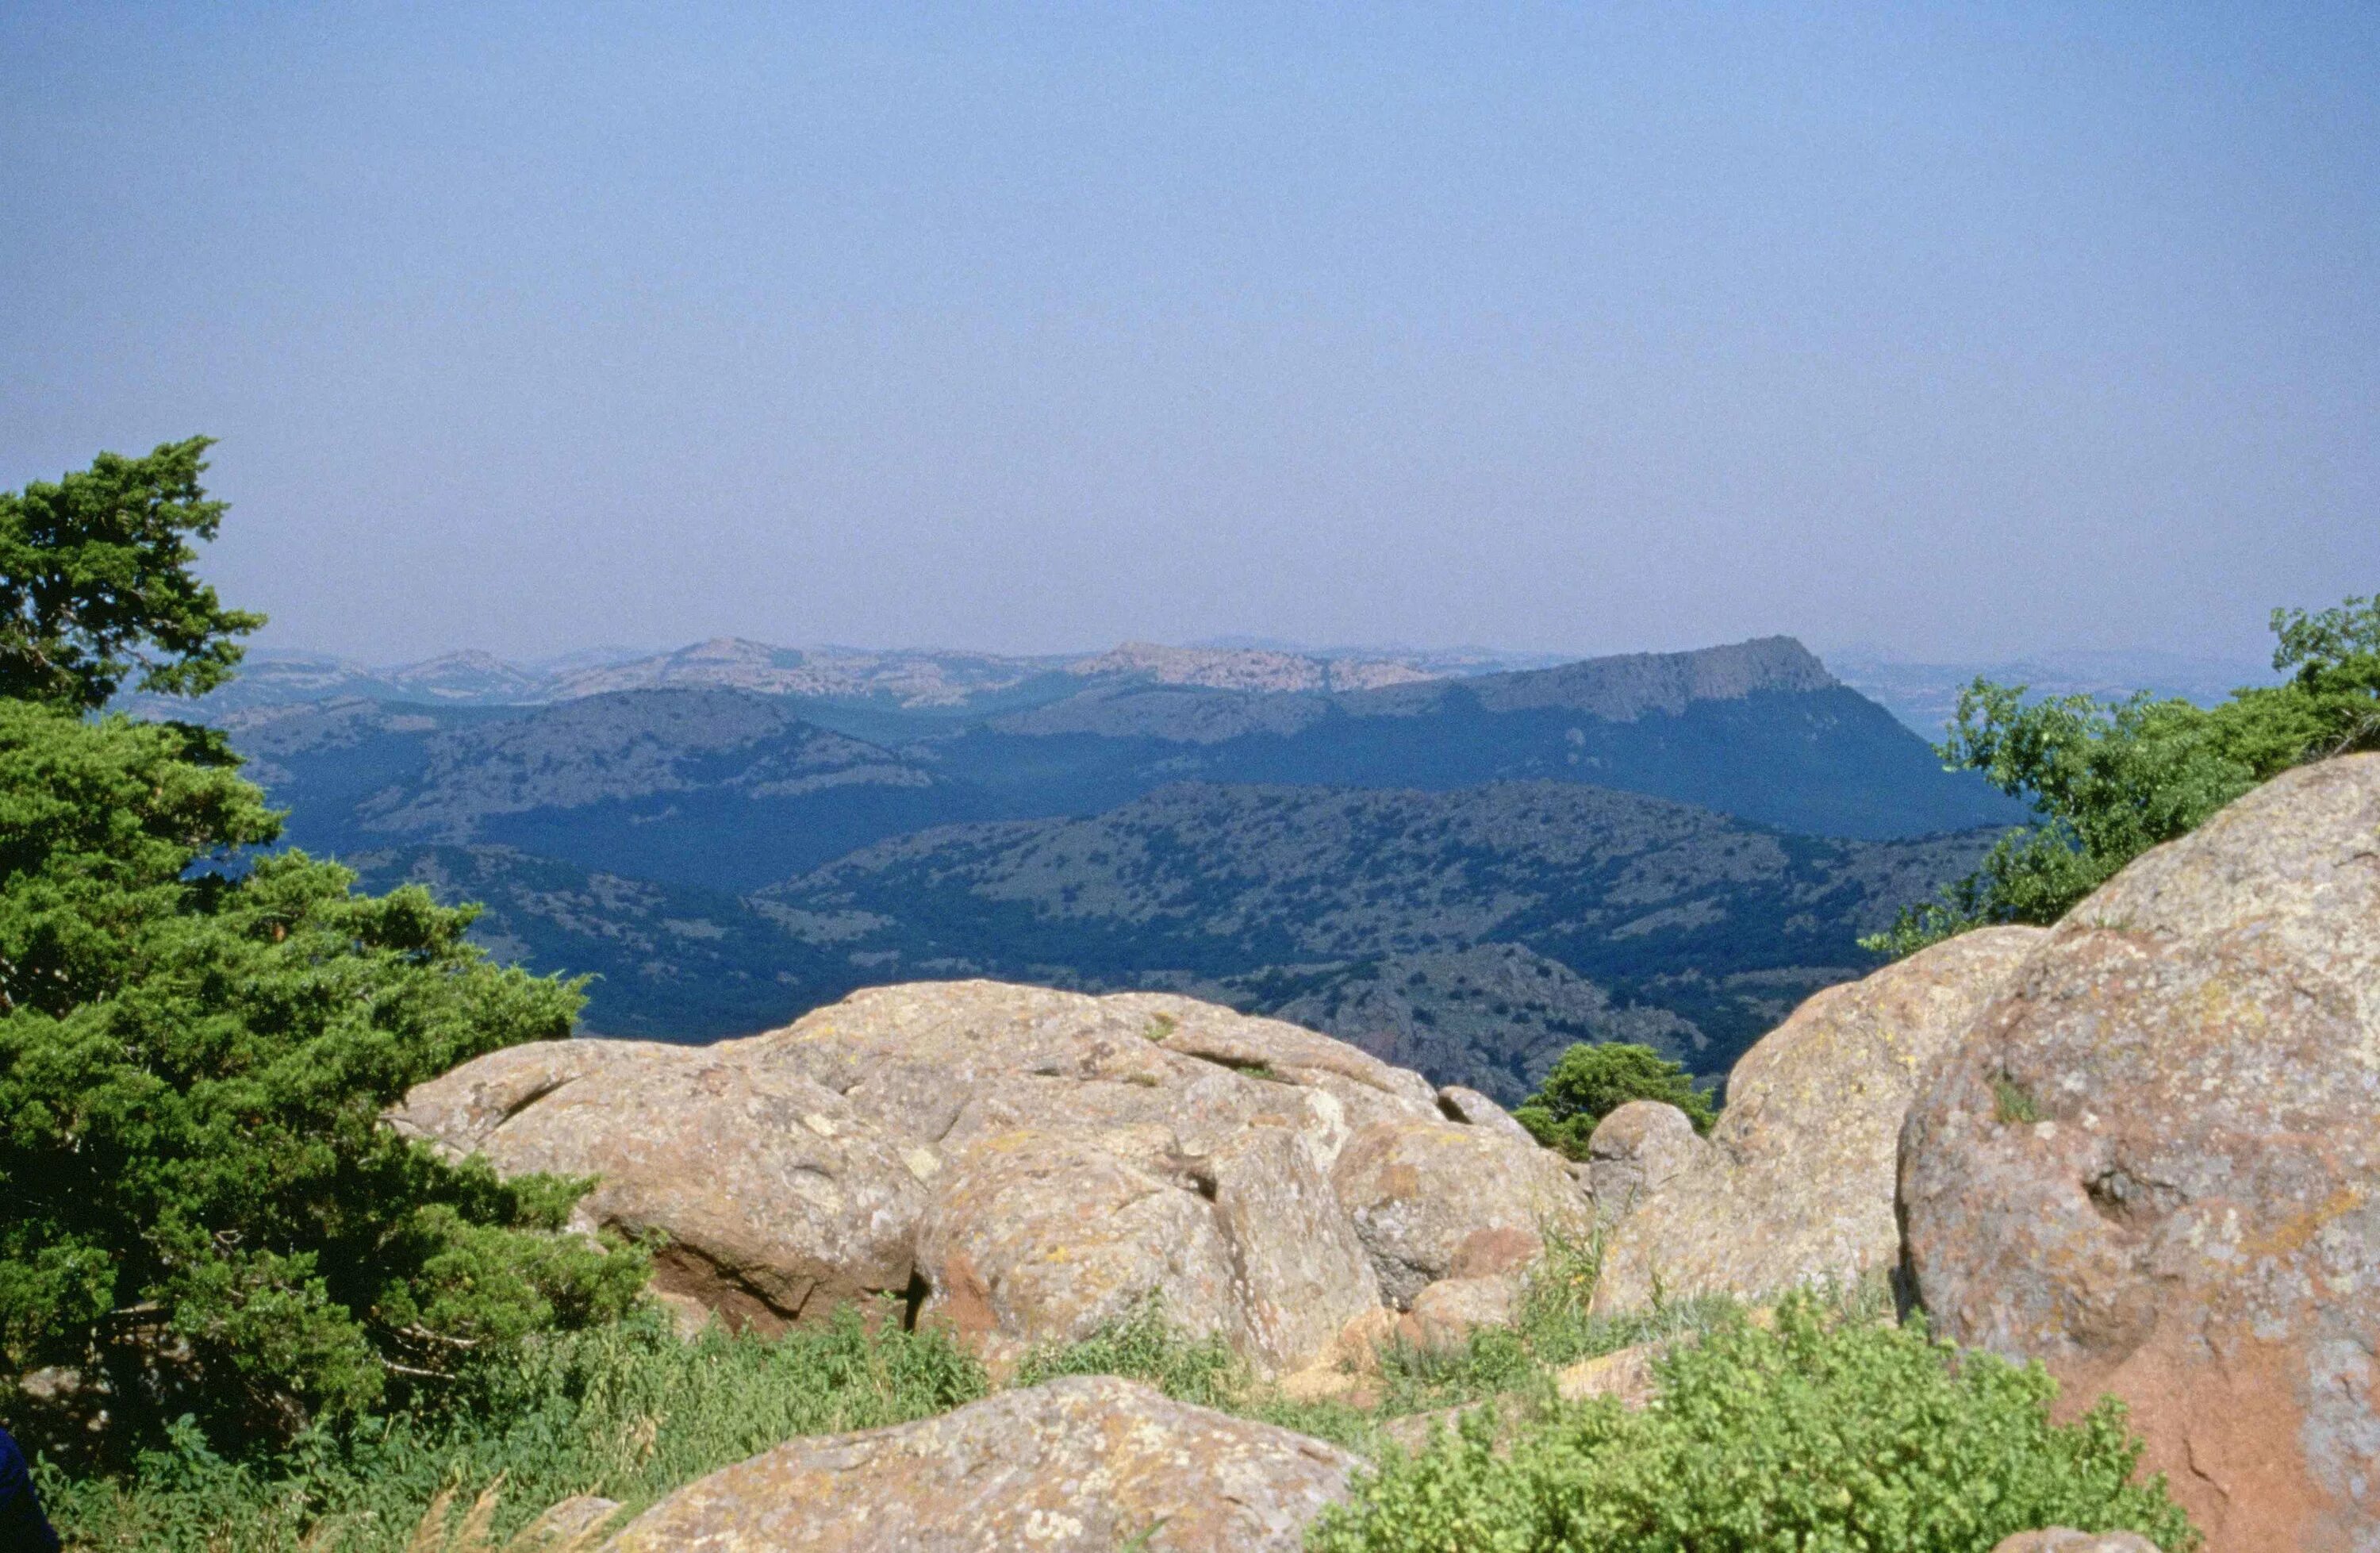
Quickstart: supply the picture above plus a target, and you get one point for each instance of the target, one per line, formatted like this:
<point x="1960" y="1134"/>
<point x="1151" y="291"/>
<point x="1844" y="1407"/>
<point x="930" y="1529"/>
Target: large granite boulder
<point x="1435" y="1200"/>
<point x="1027" y="1165"/>
<point x="2152" y="1162"/>
<point x="946" y="1061"/>
<point x="1637" y="1150"/>
<point x="779" y="1199"/>
<point x="1088" y="1465"/>
<point x="1796" y="1186"/>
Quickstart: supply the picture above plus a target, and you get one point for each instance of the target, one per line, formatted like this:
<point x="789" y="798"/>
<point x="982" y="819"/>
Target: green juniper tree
<point x="1589" y="1082"/>
<point x="96" y="584"/>
<point x="198" y="1037"/>
<point x="2107" y="781"/>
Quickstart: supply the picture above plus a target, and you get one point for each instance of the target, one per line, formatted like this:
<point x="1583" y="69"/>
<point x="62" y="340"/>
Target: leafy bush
<point x="1815" y="1434"/>
<point x="2109" y="781"/>
<point x="1589" y="1082"/>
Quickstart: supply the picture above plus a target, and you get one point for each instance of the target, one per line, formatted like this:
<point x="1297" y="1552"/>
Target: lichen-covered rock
<point x="944" y="1061"/>
<point x="2063" y="1539"/>
<point x="779" y="1200"/>
<point x="1626" y="1374"/>
<point x="1035" y="1237"/>
<point x="1640" y="1147"/>
<point x="1436" y="1200"/>
<point x="1088" y="1465"/>
<point x="1041" y="1161"/>
<point x="1796" y="1186"/>
<point x="2150" y="1163"/>
<point x="1468" y="1106"/>
<point x="1299" y="1272"/>
<point x="564" y="1527"/>
<point x="1445" y="1313"/>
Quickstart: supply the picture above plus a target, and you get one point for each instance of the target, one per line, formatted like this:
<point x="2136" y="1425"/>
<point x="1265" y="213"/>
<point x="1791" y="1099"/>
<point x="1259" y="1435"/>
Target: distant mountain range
<point x="1462" y="868"/>
<point x="912" y="679"/>
<point x="1922" y="695"/>
<point x="1926" y="695"/>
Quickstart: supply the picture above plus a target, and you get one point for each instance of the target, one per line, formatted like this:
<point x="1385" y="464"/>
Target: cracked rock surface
<point x="1795" y="1185"/>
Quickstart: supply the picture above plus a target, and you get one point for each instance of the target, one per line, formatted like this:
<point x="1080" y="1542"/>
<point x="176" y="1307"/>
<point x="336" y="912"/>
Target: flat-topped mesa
<point x="1623" y="688"/>
<point x="1027" y="1165"/>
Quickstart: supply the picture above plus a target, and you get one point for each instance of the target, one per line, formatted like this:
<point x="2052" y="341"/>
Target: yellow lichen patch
<point x="2294" y="1233"/>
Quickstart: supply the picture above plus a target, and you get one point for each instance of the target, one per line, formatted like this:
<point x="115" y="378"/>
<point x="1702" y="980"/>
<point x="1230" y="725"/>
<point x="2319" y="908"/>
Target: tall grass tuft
<point x="628" y="1412"/>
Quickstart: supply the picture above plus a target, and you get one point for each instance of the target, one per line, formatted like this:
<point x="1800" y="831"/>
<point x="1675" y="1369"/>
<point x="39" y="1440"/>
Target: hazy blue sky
<point x="1959" y="328"/>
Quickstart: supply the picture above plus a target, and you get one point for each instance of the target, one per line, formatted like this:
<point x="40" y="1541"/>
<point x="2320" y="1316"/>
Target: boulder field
<point x="2141" y="1147"/>
<point x="1028" y="1166"/>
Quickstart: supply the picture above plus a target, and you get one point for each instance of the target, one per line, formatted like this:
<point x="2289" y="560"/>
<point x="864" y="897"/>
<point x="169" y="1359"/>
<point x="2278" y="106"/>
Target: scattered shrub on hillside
<point x="2107" y="781"/>
<point x="1589" y="1082"/>
<point x="1815" y="1434"/>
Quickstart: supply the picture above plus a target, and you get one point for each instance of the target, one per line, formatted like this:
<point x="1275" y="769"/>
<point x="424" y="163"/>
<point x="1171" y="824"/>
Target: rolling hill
<point x="1464" y="873"/>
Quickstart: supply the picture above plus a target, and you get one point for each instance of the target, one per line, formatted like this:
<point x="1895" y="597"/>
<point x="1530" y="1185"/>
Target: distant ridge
<point x="1249" y="668"/>
<point x="1359" y="683"/>
<point x="1625" y="687"/>
<point x="913" y="680"/>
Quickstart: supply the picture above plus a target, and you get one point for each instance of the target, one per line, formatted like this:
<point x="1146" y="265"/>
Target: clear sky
<point x="1961" y="328"/>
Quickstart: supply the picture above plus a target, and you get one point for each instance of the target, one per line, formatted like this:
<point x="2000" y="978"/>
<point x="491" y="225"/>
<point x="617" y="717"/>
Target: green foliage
<point x="1145" y="1346"/>
<point x="2109" y="781"/>
<point x="627" y="1409"/>
<point x="2011" y="1106"/>
<point x="204" y="1212"/>
<point x="1814" y="1436"/>
<point x="96" y="584"/>
<point x="1589" y="1082"/>
<point x="192" y="1069"/>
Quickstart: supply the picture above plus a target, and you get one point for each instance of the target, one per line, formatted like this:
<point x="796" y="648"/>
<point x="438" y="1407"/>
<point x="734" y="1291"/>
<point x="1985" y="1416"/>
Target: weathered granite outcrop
<point x="779" y="1198"/>
<point x="1638" y="1150"/>
<point x="1086" y="1465"/>
<point x="1435" y="1200"/>
<point x="2152" y="1161"/>
<point x="1027" y="1165"/>
<point x="1796" y="1183"/>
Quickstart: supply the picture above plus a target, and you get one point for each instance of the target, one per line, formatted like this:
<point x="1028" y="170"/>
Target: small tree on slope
<point x="1589" y="1082"/>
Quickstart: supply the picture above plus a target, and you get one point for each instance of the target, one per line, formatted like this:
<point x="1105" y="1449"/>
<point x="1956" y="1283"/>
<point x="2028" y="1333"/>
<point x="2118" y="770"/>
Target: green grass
<point x="633" y="1410"/>
<point x="628" y="1412"/>
<point x="2011" y="1106"/>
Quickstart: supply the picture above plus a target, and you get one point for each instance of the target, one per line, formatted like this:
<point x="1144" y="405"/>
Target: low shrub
<point x="1817" y="1435"/>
